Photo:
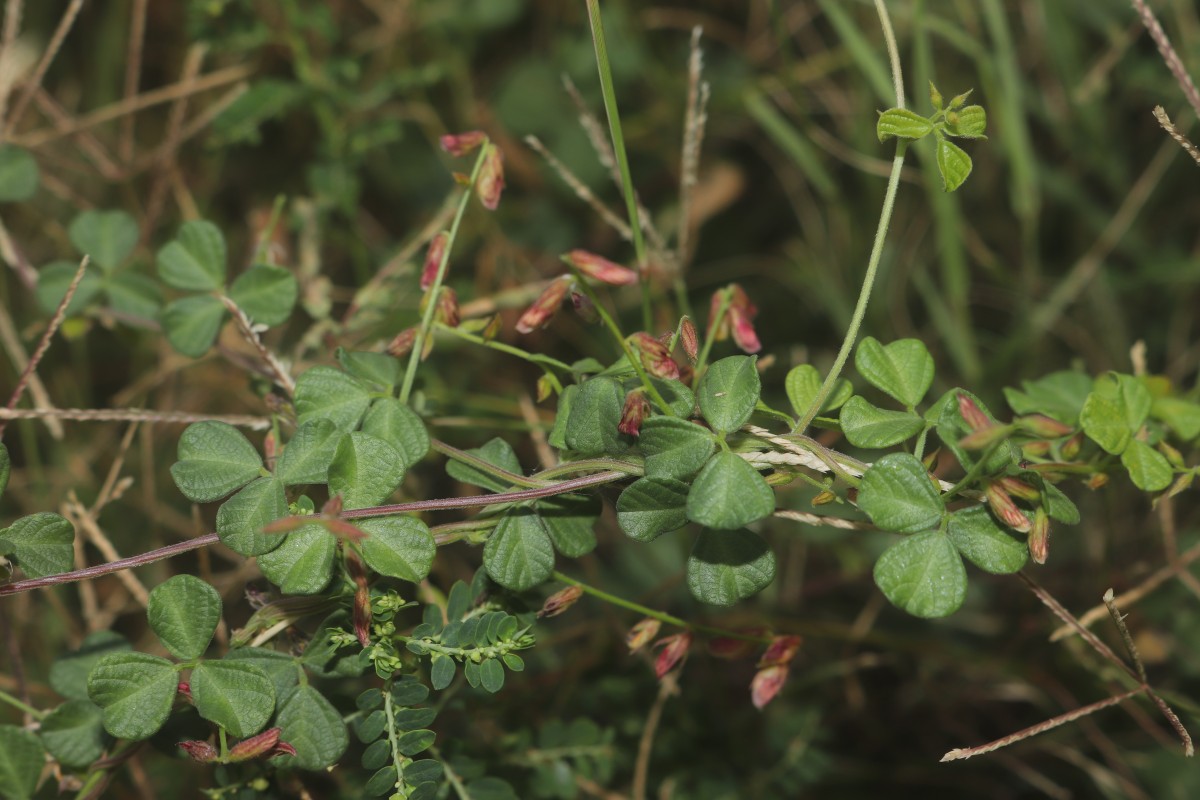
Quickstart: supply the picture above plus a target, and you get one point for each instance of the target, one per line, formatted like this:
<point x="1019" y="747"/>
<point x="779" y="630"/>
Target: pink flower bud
<point x="689" y="339"/>
<point x="642" y="633"/>
<point x="545" y="307"/>
<point x="403" y="343"/>
<point x="460" y="144"/>
<point x="766" y="684"/>
<point x="1043" y="426"/>
<point x="362" y="596"/>
<point x="584" y="306"/>
<point x="200" y="751"/>
<point x="491" y="177"/>
<point x="433" y="259"/>
<point x="674" y="650"/>
<point x="741" y="320"/>
<point x="1072" y="446"/>
<point x="781" y="651"/>
<point x="636" y="409"/>
<point x="972" y="414"/>
<point x="1020" y="489"/>
<point x="601" y="269"/>
<point x="656" y="358"/>
<point x="256" y="746"/>
<point x="1005" y="509"/>
<point x="447" y="307"/>
<point x="559" y="602"/>
<point x="984" y="438"/>
<point x="185" y="690"/>
<point x="1039" y="537"/>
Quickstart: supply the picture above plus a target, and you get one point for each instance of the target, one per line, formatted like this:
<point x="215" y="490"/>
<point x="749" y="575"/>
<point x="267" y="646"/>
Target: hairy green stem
<point x="661" y="616"/>
<point x="618" y="140"/>
<point x="393" y="737"/>
<point x="414" y="358"/>
<point x="885" y="219"/>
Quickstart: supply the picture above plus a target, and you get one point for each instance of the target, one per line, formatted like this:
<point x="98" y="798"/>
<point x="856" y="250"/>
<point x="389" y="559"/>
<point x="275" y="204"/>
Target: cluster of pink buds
<point x="589" y="265"/>
<point x="737" y="320"/>
<point x="773" y="669"/>
<point x="490" y="182"/>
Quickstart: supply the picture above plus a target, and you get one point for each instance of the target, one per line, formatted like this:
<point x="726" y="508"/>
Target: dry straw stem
<point x="1169" y="56"/>
<point x="1161" y="115"/>
<point x="278" y="371"/>
<point x="668" y="687"/>
<point x="133" y="415"/>
<point x="39" y="72"/>
<point x="44" y="343"/>
<point x="133" y="72"/>
<point x="581" y="190"/>
<point x="694" y="121"/>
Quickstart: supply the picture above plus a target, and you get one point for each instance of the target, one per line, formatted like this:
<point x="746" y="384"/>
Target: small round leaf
<point x="729" y="494"/>
<point x="923" y="574"/>
<point x="728" y="566"/>
<point x="184" y="612"/>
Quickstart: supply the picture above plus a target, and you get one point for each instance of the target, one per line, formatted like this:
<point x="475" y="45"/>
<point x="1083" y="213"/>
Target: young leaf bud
<point x="1019" y="488"/>
<point x="636" y="409"/>
<point x="545" y="307"/>
<point x="972" y="414"/>
<point x="559" y="602"/>
<point x="460" y="144"/>
<point x="433" y="259"/>
<point x="935" y="97"/>
<point x="601" y="269"/>
<point x="491" y="177"/>
<point x="642" y="633"/>
<point x="766" y="684"/>
<point x="674" y="650"/>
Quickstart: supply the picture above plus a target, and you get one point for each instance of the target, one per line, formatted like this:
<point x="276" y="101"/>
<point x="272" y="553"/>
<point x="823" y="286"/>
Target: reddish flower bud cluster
<point x="656" y="358"/>
<point x="674" y="650"/>
<point x="636" y="409"/>
<point x="773" y="669"/>
<point x="738" y="318"/>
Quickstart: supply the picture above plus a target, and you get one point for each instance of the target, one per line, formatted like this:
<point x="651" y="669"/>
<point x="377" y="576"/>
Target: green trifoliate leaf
<point x="803" y="383"/>
<point x="1148" y="469"/>
<point x="729" y="391"/>
<point x="900" y="123"/>
<point x="283" y="669"/>
<point x="196" y="259"/>
<point x="54" y="280"/>
<point x="496" y="452"/>
<point x="1182" y="416"/>
<point x="109" y="237"/>
<point x="968" y="122"/>
<point x="728" y="566"/>
<point x="325" y="392"/>
<point x="21" y="762"/>
<point x="135" y="690"/>
<point x="184" y="612"/>
<point x="215" y="459"/>
<point x="902" y="369"/>
<point x="519" y="554"/>
<point x="399" y="426"/>
<point x="192" y="323"/>
<point x="68" y="673"/>
<point x="673" y="447"/>
<point x="308" y="453"/>
<point x="570" y="520"/>
<point x="595" y="414"/>
<point x="868" y="426"/>
<point x="42" y="544"/>
<point x="303" y="563"/>
<point x="312" y="725"/>
<point x="1059" y="395"/>
<point x="977" y="535"/>
<point x="379" y="369"/>
<point x="923" y="574"/>
<point x="236" y="695"/>
<point x="74" y="733"/>
<point x="266" y="293"/>
<point x="898" y="494"/>
<point x="365" y="470"/>
<point x="18" y="174"/>
<point x="241" y="519"/>
<point x="400" y="547"/>
<point x="953" y="164"/>
<point x="133" y="294"/>
<point x="650" y="507"/>
<point x="729" y="494"/>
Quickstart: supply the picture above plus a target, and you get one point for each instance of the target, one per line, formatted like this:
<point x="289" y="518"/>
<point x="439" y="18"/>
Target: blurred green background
<point x="1075" y="237"/>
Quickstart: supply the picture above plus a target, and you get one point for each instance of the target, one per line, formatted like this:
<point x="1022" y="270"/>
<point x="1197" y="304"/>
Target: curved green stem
<point x="661" y="616"/>
<point x="533" y="358"/>
<point x="885" y="218"/>
<point x="414" y="358"/>
<point x="618" y="141"/>
<point x="713" y="324"/>
<point x="21" y="705"/>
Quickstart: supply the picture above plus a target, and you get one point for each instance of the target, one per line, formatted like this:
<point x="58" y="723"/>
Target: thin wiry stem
<point x="133" y="71"/>
<point x="1169" y="56"/>
<point x="133" y="415"/>
<point x="694" y="121"/>
<point x="1160" y="114"/>
<point x="44" y="344"/>
<point x="581" y="190"/>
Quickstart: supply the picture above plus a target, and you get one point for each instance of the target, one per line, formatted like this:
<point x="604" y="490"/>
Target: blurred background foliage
<point x="1075" y="237"/>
